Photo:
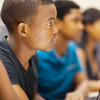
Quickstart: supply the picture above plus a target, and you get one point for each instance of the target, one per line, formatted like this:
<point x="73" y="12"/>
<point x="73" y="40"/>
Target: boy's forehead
<point x="74" y="13"/>
<point x="47" y="11"/>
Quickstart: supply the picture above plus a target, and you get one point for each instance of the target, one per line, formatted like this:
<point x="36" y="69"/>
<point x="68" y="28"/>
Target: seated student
<point x="30" y="29"/>
<point x="6" y="90"/>
<point x="60" y="71"/>
<point x="87" y="49"/>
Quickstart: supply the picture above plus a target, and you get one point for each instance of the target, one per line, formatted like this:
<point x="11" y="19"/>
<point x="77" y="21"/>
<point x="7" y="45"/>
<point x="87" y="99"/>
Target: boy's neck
<point x="22" y="53"/>
<point x="61" y="44"/>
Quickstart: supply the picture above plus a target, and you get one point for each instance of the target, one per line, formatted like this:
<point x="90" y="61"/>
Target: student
<point x="30" y="29"/>
<point x="6" y="90"/>
<point x="90" y="39"/>
<point x="87" y="49"/>
<point x="61" y="75"/>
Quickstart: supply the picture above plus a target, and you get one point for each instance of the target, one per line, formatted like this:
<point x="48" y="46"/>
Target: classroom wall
<point x="85" y="4"/>
<point x="1" y="1"/>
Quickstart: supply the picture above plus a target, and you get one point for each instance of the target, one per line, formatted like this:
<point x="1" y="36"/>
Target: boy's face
<point x="42" y="35"/>
<point x="94" y="30"/>
<point x="71" y="25"/>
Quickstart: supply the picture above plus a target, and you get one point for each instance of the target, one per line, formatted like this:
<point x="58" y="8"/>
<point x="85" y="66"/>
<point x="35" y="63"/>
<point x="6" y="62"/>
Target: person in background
<point x="61" y="73"/>
<point x="87" y="48"/>
<point x="6" y="90"/>
<point x="30" y="29"/>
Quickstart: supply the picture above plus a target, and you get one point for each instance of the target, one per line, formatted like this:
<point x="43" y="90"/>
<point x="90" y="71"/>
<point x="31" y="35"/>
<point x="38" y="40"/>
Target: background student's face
<point x="94" y="30"/>
<point x="42" y="35"/>
<point x="72" y="27"/>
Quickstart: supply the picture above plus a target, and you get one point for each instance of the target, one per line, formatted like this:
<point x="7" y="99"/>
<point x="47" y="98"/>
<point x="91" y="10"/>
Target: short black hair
<point x="16" y="11"/>
<point x="91" y="15"/>
<point x="64" y="7"/>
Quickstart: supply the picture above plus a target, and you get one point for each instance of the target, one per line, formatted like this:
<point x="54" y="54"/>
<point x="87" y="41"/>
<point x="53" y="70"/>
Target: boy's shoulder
<point x="72" y="45"/>
<point x="72" y="48"/>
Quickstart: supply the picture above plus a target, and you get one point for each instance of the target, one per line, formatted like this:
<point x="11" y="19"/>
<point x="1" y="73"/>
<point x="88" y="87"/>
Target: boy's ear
<point x="23" y="29"/>
<point x="58" y="23"/>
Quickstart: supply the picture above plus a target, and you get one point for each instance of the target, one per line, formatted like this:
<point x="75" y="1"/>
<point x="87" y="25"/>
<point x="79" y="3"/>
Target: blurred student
<point x="61" y="74"/>
<point x="87" y="50"/>
<point x="6" y="90"/>
<point x="30" y="29"/>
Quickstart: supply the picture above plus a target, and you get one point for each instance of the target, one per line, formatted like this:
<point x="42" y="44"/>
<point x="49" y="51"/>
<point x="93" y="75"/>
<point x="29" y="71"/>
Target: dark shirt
<point x="17" y="74"/>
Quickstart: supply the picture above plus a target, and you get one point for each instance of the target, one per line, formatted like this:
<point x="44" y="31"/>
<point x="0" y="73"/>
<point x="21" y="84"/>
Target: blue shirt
<point x="56" y="74"/>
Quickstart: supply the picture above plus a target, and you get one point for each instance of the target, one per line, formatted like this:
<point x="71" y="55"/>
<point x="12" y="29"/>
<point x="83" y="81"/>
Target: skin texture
<point x="70" y="28"/>
<point x="93" y="85"/>
<point x="40" y="36"/>
<point x="6" y="90"/>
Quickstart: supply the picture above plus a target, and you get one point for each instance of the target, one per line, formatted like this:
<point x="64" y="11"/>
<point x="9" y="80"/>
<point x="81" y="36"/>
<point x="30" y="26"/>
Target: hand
<point x="74" y="96"/>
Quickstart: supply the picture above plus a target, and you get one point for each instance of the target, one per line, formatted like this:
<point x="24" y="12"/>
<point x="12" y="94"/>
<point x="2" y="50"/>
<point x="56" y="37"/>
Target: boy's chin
<point x="78" y="40"/>
<point x="48" y="49"/>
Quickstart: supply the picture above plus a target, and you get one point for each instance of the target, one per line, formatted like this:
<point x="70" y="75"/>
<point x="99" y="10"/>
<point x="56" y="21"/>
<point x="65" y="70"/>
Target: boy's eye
<point x="50" y="24"/>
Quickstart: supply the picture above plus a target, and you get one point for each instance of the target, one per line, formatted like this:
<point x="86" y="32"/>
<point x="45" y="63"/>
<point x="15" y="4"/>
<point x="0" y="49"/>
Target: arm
<point x="38" y="97"/>
<point x="6" y="90"/>
<point x="94" y="85"/>
<point x="81" y="80"/>
<point x="10" y="92"/>
<point x="21" y="94"/>
<point x="81" y="88"/>
<point x="81" y="83"/>
<point x="16" y="89"/>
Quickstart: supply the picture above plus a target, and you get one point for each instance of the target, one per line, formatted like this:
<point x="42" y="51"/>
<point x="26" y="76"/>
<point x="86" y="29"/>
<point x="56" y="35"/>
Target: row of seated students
<point x="42" y="53"/>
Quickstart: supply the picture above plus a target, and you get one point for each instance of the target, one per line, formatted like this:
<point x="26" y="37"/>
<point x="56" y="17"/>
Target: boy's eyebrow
<point x="51" y="19"/>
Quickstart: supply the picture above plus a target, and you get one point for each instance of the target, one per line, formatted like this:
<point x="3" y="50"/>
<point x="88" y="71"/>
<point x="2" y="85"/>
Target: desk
<point x="92" y="96"/>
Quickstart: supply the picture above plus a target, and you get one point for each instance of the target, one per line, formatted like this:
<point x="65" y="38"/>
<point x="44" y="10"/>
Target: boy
<point x="31" y="27"/>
